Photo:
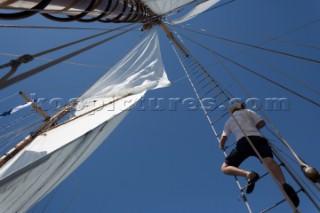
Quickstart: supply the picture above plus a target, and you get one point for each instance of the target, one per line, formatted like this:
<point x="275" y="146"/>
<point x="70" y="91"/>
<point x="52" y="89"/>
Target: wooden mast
<point x="173" y="39"/>
<point x="35" y="106"/>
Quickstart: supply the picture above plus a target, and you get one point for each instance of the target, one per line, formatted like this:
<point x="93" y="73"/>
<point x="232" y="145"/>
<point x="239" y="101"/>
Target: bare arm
<point x="222" y="141"/>
<point x="260" y="124"/>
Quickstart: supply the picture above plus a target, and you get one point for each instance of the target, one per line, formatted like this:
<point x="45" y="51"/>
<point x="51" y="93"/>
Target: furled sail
<point x="103" y="10"/>
<point x="53" y="155"/>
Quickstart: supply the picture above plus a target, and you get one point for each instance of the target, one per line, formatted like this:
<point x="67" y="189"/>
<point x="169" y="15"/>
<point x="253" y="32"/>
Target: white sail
<point x="161" y="7"/>
<point x="140" y="70"/>
<point x="195" y="11"/>
<point x="53" y="155"/>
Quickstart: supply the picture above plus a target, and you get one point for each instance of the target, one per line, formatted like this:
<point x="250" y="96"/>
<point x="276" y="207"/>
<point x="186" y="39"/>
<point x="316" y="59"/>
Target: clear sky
<point x="168" y="160"/>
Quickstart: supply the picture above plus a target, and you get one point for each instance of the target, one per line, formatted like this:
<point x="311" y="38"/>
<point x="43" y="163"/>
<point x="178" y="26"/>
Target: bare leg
<point x="275" y="169"/>
<point x="252" y="177"/>
<point x="232" y="170"/>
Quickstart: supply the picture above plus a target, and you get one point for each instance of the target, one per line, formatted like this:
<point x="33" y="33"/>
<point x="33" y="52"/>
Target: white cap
<point x="236" y="106"/>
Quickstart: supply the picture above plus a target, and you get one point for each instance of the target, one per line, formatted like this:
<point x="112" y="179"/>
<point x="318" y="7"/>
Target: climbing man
<point x="250" y="123"/>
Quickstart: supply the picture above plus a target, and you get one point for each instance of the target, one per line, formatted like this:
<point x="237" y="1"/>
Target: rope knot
<point x="25" y="59"/>
<point x="21" y="60"/>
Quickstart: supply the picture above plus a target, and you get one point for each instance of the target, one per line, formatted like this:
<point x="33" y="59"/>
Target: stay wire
<point x="300" y="27"/>
<point x="15" y="122"/>
<point x="79" y="41"/>
<point x="270" y="39"/>
<point x="264" y="63"/>
<point x="9" y="97"/>
<point x="7" y="82"/>
<point x="277" y="38"/>
<point x="254" y="46"/>
<point x="65" y="62"/>
<point x="279" y="71"/>
<point x="65" y="45"/>
<point x="283" y="34"/>
<point x="255" y="73"/>
<point x="18" y="133"/>
<point x="104" y="67"/>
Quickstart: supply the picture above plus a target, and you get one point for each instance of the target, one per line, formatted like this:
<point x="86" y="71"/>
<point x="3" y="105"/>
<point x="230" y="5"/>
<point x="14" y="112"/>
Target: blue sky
<point x="168" y="160"/>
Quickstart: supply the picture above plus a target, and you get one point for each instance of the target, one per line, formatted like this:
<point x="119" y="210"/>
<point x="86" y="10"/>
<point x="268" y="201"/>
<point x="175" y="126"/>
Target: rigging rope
<point x="269" y="39"/>
<point x="300" y="27"/>
<point x="10" y="96"/>
<point x="4" y="81"/>
<point x="79" y="41"/>
<point x="104" y="67"/>
<point x="286" y="33"/>
<point x="284" y="74"/>
<point x="254" y="72"/>
<point x="18" y="133"/>
<point x="16" y="121"/>
<point x="290" y="31"/>
<point x="255" y="46"/>
<point x="279" y="71"/>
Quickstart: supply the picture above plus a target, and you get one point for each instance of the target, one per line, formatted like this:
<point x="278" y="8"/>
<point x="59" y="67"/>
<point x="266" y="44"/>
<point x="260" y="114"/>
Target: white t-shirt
<point x="248" y="121"/>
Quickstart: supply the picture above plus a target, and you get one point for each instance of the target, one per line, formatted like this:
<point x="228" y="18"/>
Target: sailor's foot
<point x="291" y="194"/>
<point x="252" y="178"/>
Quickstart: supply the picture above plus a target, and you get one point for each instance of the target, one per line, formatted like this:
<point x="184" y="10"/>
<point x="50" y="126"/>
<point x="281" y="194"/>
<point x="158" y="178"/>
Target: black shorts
<point x="243" y="150"/>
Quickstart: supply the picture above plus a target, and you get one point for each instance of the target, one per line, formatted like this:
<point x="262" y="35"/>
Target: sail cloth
<point x="200" y="8"/>
<point x="53" y="155"/>
<point x="141" y="69"/>
<point x="161" y="7"/>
